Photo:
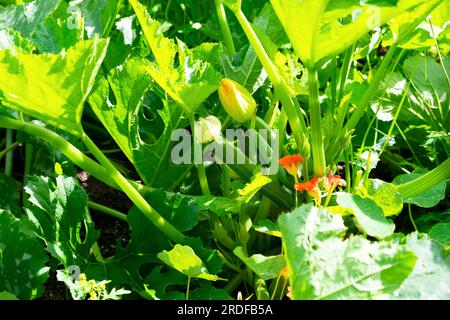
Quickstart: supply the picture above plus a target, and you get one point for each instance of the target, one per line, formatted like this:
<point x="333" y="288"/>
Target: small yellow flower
<point x="237" y="101"/>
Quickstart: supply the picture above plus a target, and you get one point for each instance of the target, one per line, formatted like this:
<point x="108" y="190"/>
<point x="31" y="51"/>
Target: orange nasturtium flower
<point x="291" y="164"/>
<point x="311" y="186"/>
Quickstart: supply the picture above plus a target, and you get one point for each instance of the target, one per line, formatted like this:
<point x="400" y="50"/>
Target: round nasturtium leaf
<point x="384" y="194"/>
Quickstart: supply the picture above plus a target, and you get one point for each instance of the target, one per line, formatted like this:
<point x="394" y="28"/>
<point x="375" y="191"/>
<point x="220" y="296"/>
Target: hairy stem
<point x="293" y="111"/>
<point x="318" y="150"/>
<point x="422" y="184"/>
<point x="9" y="159"/>
<point x="105" y="172"/>
<point x="162" y="224"/>
<point x="70" y="151"/>
<point x="225" y="28"/>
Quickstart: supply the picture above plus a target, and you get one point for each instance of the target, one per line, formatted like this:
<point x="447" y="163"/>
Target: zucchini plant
<point x="280" y="149"/>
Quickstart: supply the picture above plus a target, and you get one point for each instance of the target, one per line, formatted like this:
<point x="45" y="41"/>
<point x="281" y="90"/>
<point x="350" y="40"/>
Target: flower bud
<point x="207" y="129"/>
<point x="237" y="101"/>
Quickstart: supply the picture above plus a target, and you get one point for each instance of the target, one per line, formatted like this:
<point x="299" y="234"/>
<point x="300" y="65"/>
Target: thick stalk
<point x="70" y="151"/>
<point x="295" y="116"/>
<point x="427" y="181"/>
<point x="105" y="172"/>
<point x="27" y="168"/>
<point x="75" y="155"/>
<point x="9" y="159"/>
<point x="225" y="28"/>
<point x="134" y="195"/>
<point x="318" y="150"/>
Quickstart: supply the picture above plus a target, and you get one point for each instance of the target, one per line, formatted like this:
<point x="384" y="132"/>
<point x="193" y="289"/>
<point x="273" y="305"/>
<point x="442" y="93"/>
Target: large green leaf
<point x="324" y="266"/>
<point x="163" y="282"/>
<point x="125" y="267"/>
<point x="52" y="88"/>
<point x="257" y="182"/>
<point x="54" y="35"/>
<point x="407" y="21"/>
<point x="189" y="83"/>
<point x="26" y="17"/>
<point x="12" y="39"/>
<point x="131" y="264"/>
<point x="23" y="269"/>
<point x="384" y="194"/>
<point x="124" y="119"/>
<point x="264" y="267"/>
<point x="58" y="215"/>
<point x="220" y="206"/>
<point x="183" y="259"/>
<point x="99" y="15"/>
<point x="318" y="28"/>
<point x="369" y="217"/>
<point x="430" y="278"/>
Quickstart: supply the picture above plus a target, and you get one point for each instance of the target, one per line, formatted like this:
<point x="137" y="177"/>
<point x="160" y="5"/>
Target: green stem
<point x="75" y="155"/>
<point x="411" y="218"/>
<point x="9" y="159"/>
<point x="328" y="198"/>
<point x="281" y="126"/>
<point x="70" y="151"/>
<point x="27" y="168"/>
<point x="394" y="121"/>
<point x="108" y="211"/>
<point x="225" y="28"/>
<point x="275" y="290"/>
<point x="283" y="290"/>
<point x="188" y="287"/>
<point x="164" y="226"/>
<point x="333" y="86"/>
<point x="347" y="170"/>
<point x="368" y="167"/>
<point x="203" y="179"/>
<point x="318" y="150"/>
<point x="234" y="283"/>
<point x="10" y="148"/>
<point x="422" y="184"/>
<point x="293" y="111"/>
